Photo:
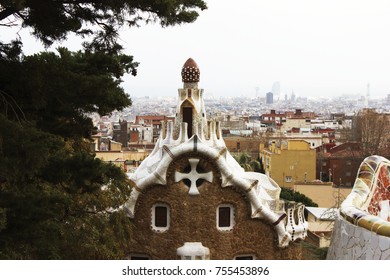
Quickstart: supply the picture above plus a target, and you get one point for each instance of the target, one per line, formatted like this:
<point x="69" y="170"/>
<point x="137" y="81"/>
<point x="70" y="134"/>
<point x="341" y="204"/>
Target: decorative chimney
<point x="190" y="108"/>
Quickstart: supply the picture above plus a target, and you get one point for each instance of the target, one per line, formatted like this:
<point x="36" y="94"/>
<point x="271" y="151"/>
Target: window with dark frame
<point x="224" y="216"/>
<point x="187" y="117"/>
<point x="140" y="257"/>
<point x="161" y="216"/>
<point x="244" y="258"/>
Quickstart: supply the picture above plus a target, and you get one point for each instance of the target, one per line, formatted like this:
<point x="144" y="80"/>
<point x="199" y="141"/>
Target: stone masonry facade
<point x="194" y="220"/>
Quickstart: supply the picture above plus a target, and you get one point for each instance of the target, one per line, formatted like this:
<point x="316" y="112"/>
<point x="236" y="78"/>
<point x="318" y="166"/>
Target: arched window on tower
<point x="187" y="111"/>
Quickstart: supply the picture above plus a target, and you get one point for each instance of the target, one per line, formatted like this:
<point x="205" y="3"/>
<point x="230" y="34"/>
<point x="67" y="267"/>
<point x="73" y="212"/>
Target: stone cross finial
<point x="193" y="176"/>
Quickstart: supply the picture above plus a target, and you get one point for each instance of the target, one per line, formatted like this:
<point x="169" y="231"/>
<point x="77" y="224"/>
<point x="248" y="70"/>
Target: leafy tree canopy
<point x="54" y="20"/>
<point x="57" y="91"/>
<point x="56" y="199"/>
<point x="290" y="195"/>
<point x="246" y="162"/>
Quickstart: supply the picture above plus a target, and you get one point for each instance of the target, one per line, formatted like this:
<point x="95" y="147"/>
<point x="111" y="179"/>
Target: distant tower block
<point x="293" y="96"/>
<point x="269" y="98"/>
<point x="276" y="90"/>
<point x="367" y="95"/>
<point x="257" y="91"/>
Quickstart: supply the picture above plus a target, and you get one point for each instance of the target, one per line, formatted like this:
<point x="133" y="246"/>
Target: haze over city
<point x="314" y="48"/>
<point x="253" y="130"/>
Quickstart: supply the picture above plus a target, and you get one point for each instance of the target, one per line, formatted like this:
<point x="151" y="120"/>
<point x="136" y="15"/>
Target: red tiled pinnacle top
<point x="190" y="72"/>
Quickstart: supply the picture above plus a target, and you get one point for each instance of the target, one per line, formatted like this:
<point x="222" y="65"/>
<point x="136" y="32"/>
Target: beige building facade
<point x="289" y="164"/>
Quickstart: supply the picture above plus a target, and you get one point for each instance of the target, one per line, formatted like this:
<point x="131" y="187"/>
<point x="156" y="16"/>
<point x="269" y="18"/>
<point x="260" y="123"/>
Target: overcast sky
<point x="314" y="48"/>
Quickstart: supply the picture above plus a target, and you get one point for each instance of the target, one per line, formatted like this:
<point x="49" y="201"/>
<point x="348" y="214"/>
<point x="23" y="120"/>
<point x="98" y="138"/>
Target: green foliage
<point x="290" y="195"/>
<point x="257" y="166"/>
<point x="244" y="160"/>
<point x="313" y="252"/>
<point x="80" y="83"/>
<point x="54" y="20"/>
<point x="56" y="200"/>
<point x="248" y="164"/>
<point x="3" y="219"/>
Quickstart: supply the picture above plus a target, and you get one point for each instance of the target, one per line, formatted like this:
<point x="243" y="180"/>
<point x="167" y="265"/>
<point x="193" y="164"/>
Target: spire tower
<point x="190" y="108"/>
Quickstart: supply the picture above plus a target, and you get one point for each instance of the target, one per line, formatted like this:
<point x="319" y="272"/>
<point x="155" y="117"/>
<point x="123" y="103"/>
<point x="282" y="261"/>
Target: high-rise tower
<point x="276" y="90"/>
<point x="367" y="95"/>
<point x="269" y="98"/>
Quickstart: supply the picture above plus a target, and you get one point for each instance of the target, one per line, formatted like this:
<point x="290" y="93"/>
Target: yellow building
<point x="324" y="194"/>
<point x="290" y="163"/>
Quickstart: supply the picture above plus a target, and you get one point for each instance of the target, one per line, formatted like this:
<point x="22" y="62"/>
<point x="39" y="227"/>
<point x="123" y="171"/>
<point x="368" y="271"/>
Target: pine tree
<point x="57" y="201"/>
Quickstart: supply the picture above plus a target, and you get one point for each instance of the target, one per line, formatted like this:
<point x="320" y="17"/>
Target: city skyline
<point x="313" y="48"/>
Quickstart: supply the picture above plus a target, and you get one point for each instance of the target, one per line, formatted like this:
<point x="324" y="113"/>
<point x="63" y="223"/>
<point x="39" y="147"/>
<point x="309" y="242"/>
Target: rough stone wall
<point x="193" y="219"/>
<point x="350" y="242"/>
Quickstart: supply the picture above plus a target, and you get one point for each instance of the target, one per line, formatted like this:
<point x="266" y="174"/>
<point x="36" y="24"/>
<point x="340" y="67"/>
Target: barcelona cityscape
<point x="145" y="131"/>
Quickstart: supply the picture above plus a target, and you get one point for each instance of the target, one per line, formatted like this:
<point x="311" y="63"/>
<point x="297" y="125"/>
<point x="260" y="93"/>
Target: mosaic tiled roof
<point x="206" y="141"/>
<point x="190" y="72"/>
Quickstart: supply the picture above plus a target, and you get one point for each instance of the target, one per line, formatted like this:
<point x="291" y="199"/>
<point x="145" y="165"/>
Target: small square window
<point x="288" y="179"/>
